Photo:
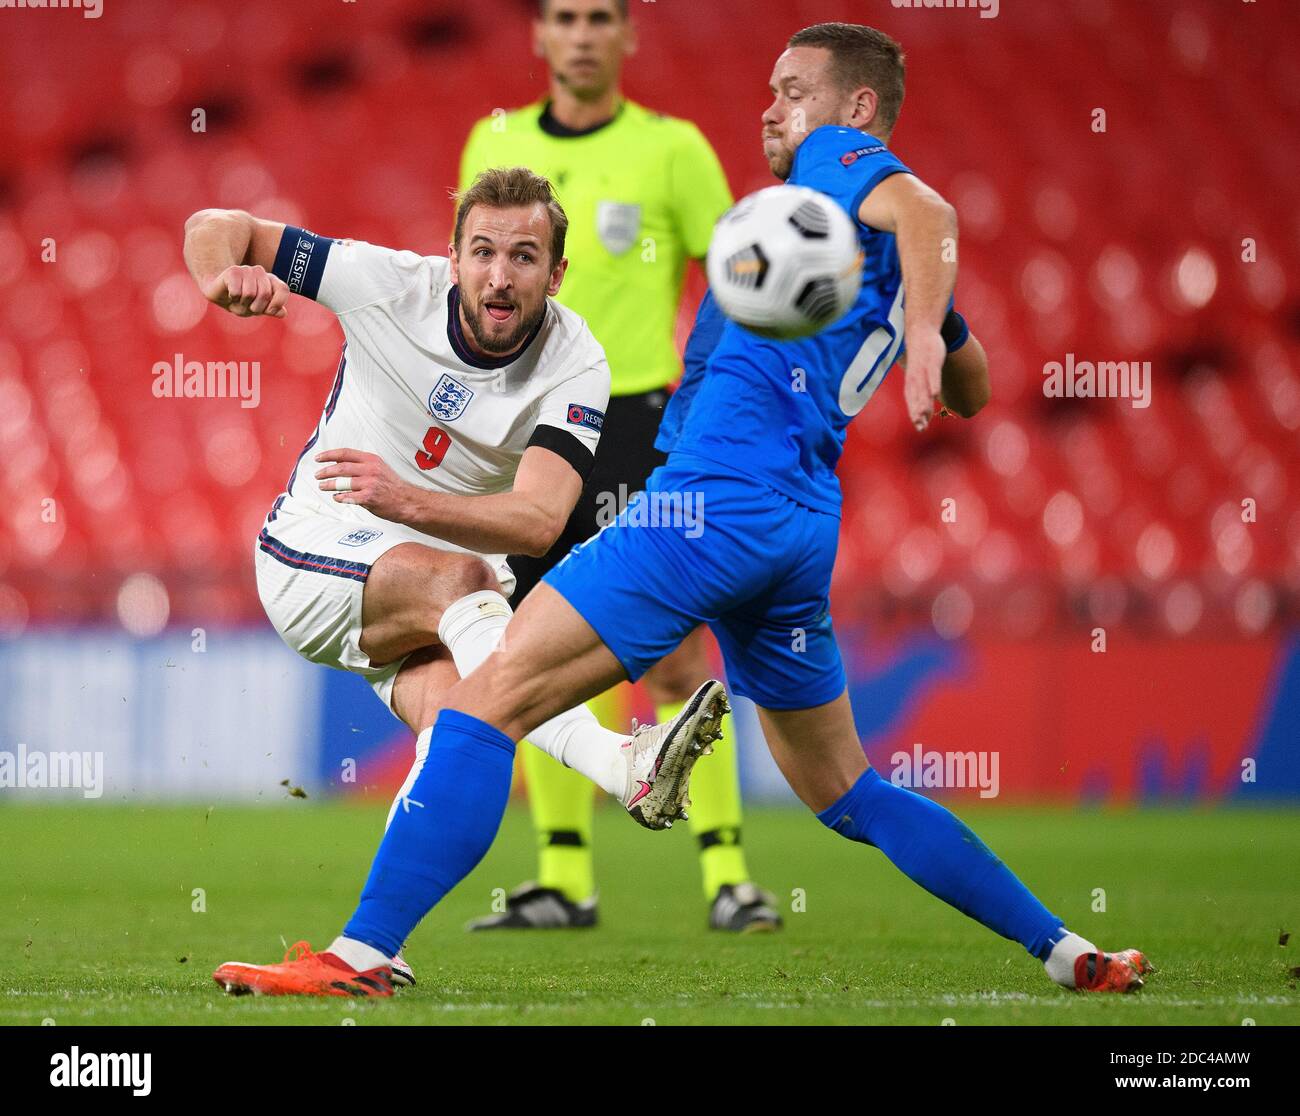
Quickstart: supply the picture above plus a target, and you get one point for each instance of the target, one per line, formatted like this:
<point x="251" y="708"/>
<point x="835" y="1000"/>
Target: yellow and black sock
<point x="562" y="804"/>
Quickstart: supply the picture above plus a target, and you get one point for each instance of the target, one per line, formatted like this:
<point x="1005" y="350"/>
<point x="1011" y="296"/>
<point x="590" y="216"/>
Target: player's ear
<point x="557" y="277"/>
<point x="863" y="106"/>
<point x="454" y="257"/>
<point x="539" y="48"/>
<point x="630" y="42"/>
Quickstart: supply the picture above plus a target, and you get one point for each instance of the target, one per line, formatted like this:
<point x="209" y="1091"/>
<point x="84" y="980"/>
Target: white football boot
<point x="660" y="758"/>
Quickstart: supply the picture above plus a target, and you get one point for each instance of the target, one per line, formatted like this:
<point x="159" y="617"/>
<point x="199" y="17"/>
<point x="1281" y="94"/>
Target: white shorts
<point x="311" y="572"/>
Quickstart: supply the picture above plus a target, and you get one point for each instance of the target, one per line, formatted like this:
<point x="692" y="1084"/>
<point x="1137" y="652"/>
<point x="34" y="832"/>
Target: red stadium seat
<point x="355" y="129"/>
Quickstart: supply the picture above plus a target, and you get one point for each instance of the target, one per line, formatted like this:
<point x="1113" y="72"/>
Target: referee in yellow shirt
<point x="642" y="191"/>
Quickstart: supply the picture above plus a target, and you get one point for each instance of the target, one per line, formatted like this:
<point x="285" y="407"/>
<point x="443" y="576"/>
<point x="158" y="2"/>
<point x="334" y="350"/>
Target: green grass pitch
<point x="98" y="925"/>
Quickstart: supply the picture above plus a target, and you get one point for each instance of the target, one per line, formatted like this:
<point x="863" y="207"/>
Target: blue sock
<point x="455" y="809"/>
<point x="937" y="850"/>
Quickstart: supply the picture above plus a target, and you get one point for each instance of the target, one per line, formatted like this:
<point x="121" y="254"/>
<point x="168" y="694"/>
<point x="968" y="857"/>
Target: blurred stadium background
<point x="127" y="605"/>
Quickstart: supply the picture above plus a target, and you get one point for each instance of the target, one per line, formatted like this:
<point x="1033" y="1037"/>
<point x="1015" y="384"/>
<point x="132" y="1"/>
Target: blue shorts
<point x="700" y="546"/>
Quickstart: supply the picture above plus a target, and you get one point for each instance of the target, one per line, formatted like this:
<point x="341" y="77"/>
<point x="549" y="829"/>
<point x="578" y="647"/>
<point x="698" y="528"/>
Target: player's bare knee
<point x="454" y="576"/>
<point x="670" y="688"/>
<point x="673" y="679"/>
<point x="427" y="582"/>
<point x="467" y="573"/>
<point x="677" y="675"/>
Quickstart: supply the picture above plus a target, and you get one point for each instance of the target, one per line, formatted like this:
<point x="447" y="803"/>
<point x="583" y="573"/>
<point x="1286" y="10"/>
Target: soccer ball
<point x="784" y="262"/>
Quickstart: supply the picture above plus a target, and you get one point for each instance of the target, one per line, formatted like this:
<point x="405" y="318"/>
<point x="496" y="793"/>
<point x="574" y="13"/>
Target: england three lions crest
<point x="449" y="398"/>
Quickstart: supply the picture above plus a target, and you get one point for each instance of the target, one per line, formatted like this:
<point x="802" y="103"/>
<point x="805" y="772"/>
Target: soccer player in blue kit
<point x="756" y="436"/>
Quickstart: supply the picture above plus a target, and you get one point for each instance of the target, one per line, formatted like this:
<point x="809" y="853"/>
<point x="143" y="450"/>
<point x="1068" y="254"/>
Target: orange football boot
<point x="1111" y="972"/>
<point x="304" y="973"/>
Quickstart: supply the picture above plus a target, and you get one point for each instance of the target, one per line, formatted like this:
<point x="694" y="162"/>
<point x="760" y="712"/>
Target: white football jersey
<point x="410" y="390"/>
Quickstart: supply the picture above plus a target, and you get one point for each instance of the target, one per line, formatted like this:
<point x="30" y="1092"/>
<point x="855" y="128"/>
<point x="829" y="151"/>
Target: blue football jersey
<point x="705" y="333"/>
<point x="778" y="410"/>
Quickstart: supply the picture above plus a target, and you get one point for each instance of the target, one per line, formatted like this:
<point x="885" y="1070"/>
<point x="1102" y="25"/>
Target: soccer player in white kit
<point x="460" y="427"/>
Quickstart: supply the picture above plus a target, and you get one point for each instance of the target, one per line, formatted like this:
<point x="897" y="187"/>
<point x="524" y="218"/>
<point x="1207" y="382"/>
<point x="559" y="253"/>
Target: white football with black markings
<point x="785" y="262"/>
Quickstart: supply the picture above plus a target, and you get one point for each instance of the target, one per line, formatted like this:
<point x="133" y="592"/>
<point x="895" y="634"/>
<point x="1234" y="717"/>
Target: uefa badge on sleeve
<point x="589" y="417"/>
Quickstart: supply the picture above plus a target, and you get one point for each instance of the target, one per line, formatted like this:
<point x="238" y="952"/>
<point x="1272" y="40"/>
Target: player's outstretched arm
<point x="926" y="229"/>
<point x="526" y="520"/>
<point x="230" y="253"/>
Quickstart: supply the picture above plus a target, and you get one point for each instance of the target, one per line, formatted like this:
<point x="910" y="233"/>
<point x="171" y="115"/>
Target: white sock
<point x="1060" y="962"/>
<point x="357" y="954"/>
<point x="471" y="629"/>
<point x="421" y="752"/>
<point x="578" y="740"/>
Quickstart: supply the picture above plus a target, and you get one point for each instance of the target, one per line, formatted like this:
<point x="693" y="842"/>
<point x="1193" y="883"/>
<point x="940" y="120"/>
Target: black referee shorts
<point x="625" y="458"/>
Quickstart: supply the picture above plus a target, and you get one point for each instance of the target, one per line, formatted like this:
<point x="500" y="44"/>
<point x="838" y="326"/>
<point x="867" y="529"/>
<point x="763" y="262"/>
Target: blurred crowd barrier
<point x="232" y="714"/>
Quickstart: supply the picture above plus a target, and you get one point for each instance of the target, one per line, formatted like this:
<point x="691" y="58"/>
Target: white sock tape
<point x="460" y="614"/>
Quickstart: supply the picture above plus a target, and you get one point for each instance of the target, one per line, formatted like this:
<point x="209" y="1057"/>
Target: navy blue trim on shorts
<point x="312" y="563"/>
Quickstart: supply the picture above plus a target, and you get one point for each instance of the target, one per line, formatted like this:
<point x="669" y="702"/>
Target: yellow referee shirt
<point x="642" y="192"/>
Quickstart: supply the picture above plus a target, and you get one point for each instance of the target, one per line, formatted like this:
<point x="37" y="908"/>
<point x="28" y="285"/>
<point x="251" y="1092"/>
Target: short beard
<point x="499" y="347"/>
<point x="782" y="169"/>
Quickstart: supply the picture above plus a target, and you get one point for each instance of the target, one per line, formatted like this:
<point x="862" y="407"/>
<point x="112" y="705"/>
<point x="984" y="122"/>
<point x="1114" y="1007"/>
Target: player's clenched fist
<point x="363" y="478"/>
<point x="247" y="291"/>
